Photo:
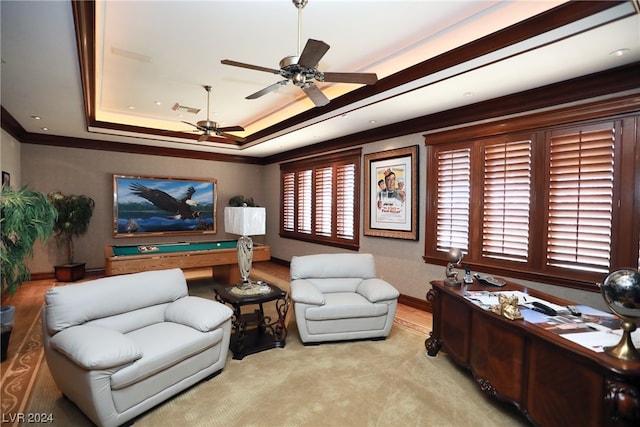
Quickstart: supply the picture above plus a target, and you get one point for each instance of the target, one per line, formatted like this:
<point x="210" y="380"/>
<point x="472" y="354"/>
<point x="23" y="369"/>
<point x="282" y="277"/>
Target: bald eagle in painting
<point x="181" y="208"/>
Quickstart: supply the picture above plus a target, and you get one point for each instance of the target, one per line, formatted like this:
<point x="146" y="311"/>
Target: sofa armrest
<point x="199" y="313"/>
<point x="95" y="347"/>
<point x="303" y="291"/>
<point x="376" y="290"/>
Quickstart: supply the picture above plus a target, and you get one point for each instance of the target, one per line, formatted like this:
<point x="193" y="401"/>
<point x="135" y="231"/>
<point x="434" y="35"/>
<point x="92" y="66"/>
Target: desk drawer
<point x="497" y="356"/>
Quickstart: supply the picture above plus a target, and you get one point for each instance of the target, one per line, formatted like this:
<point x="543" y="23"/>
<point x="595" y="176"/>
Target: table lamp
<point x="245" y="221"/>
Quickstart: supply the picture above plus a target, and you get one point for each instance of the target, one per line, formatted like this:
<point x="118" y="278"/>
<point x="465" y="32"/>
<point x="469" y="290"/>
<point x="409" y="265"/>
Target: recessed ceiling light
<point x="45" y="129"/>
<point x="158" y="103"/>
<point x="373" y="122"/>
<point x="131" y="107"/>
<point x="469" y="94"/>
<point x="344" y="116"/>
<point x="620" y="52"/>
<point x="36" y="117"/>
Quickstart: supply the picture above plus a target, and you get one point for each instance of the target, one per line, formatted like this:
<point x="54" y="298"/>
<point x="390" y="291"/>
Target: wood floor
<point x="29" y="299"/>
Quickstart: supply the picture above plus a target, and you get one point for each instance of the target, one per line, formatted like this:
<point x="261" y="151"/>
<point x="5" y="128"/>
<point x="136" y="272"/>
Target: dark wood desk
<point x="553" y="381"/>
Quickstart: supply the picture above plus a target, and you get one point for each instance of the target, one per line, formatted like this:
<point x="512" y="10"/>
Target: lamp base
<point x="625" y="349"/>
<point x="245" y="257"/>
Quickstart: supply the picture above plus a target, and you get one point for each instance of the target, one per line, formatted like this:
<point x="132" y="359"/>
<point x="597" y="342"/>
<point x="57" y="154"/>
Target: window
<point x="454" y="190"/>
<point x="580" y="199"/>
<point x="541" y="206"/>
<point x="320" y="199"/>
<point x="506" y="199"/>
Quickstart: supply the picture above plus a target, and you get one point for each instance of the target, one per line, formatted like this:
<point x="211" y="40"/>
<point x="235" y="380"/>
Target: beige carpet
<point x="365" y="383"/>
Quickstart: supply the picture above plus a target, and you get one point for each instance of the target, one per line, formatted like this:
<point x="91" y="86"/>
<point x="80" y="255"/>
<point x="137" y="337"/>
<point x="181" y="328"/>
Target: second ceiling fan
<point x="210" y="128"/>
<point x="301" y="69"/>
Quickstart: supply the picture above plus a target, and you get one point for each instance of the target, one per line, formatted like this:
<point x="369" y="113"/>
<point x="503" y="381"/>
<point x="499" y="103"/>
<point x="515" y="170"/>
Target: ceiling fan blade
<point x="231" y="129"/>
<point x="267" y="89"/>
<point x="249" y="66"/>
<point x="231" y="137"/>
<point x="194" y="125"/>
<point x="363" y="78"/>
<point x="313" y="51"/>
<point x="316" y="95"/>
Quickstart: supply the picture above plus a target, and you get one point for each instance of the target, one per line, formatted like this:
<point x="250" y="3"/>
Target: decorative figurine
<point x="507" y="307"/>
<point x="455" y="257"/>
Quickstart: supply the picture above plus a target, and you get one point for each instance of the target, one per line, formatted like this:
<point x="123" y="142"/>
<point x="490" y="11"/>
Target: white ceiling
<point x="153" y="54"/>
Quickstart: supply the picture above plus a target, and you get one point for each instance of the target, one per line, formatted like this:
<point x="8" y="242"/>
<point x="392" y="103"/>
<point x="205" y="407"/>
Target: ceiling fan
<point x="210" y="128"/>
<point x="301" y="69"/>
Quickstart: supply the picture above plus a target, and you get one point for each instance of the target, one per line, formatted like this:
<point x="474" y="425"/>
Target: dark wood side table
<point x="552" y="380"/>
<point x="253" y="331"/>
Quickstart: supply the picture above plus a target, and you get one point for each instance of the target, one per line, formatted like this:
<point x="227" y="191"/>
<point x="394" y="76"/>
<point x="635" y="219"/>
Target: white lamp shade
<point x="245" y="221"/>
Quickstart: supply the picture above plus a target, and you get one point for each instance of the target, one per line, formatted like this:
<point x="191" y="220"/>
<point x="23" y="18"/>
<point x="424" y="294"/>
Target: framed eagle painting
<point x="160" y="206"/>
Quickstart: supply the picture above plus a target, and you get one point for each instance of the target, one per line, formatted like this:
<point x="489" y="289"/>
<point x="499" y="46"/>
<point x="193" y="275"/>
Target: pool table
<point x="222" y="256"/>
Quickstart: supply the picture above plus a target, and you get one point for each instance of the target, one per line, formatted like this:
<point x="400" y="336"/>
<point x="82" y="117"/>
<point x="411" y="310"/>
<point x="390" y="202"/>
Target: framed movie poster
<point x="391" y="190"/>
<point x="161" y="206"/>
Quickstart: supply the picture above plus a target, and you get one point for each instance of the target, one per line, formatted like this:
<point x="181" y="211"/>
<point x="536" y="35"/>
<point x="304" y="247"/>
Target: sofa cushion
<point x="304" y="291"/>
<point x="376" y="290"/>
<point x="341" y="265"/>
<point x="199" y="313"/>
<point x="72" y="305"/>
<point x="163" y="345"/>
<point x="344" y="305"/>
<point x="94" y="347"/>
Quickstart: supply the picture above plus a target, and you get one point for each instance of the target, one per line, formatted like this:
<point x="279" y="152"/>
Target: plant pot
<point x="6" y="324"/>
<point x="4" y="344"/>
<point x="69" y="272"/>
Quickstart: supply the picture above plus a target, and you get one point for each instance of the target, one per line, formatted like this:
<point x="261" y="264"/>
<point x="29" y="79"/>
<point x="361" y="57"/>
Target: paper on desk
<point x="533" y="316"/>
<point x="603" y="337"/>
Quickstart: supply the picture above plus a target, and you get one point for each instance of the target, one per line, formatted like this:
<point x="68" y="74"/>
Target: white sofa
<point x="120" y="345"/>
<point x="338" y="297"/>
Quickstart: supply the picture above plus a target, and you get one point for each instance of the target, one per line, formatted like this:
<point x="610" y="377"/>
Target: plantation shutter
<point x="323" y="198"/>
<point x="288" y="201"/>
<point x="454" y="187"/>
<point x="580" y="199"/>
<point x="320" y="199"/>
<point x="506" y="203"/>
<point x="304" y="202"/>
<point x="345" y="201"/>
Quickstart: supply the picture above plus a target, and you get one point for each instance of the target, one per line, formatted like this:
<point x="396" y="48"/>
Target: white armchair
<point x="338" y="297"/>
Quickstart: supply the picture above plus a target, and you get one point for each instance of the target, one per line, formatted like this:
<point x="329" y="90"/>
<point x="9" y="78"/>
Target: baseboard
<point x="420" y="304"/>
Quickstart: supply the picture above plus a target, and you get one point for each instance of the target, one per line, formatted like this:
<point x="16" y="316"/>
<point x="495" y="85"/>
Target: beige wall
<point x="90" y="172"/>
<point x="10" y="157"/>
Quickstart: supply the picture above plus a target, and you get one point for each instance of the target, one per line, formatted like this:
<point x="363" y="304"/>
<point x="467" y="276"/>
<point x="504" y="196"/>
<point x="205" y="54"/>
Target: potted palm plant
<point x="26" y="216"/>
<point x="74" y="215"/>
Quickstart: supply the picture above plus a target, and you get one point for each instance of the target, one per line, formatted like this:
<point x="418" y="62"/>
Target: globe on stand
<point x="455" y="257"/>
<point x="621" y="292"/>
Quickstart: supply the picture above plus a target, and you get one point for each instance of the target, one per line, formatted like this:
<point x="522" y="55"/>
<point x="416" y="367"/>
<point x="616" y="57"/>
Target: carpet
<point x="19" y="377"/>
<point x="362" y="383"/>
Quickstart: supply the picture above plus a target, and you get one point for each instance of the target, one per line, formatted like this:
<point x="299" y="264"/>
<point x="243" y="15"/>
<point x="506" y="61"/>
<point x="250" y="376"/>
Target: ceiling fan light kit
<point x="210" y="128"/>
<point x="301" y="69"/>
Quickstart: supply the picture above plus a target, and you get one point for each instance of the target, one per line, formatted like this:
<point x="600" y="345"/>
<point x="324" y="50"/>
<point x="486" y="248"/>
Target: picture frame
<point x="391" y="193"/>
<point x="152" y="206"/>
